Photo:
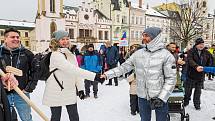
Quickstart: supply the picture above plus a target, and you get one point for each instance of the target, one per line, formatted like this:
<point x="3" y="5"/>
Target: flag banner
<point x="123" y="43"/>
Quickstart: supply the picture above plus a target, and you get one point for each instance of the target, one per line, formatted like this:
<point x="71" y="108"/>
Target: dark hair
<point x="10" y="30"/>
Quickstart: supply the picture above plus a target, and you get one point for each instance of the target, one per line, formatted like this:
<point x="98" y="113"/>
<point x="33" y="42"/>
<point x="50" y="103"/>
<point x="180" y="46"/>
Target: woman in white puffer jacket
<point x="69" y="75"/>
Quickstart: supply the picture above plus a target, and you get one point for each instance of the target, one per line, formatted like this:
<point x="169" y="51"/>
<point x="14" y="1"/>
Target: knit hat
<point x="152" y="32"/>
<point x="60" y="34"/>
<point x="90" y="45"/>
<point x="199" y="41"/>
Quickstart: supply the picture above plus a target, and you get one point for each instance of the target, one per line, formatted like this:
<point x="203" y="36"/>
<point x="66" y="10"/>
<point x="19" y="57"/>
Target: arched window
<point x="52" y="6"/>
<point x="53" y="28"/>
<point x="204" y="4"/>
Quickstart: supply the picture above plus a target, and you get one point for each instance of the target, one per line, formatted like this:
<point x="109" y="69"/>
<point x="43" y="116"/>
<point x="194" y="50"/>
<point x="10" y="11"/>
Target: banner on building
<point x="123" y="41"/>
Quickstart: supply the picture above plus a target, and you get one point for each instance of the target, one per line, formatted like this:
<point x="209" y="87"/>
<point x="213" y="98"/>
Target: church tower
<point x="49" y="18"/>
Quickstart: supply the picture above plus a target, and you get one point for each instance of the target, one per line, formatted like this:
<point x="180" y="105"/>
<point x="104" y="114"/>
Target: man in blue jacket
<point x="91" y="62"/>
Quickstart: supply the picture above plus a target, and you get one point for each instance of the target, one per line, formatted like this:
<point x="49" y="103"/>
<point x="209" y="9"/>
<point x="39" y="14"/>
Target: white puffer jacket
<point x="155" y="70"/>
<point x="69" y="74"/>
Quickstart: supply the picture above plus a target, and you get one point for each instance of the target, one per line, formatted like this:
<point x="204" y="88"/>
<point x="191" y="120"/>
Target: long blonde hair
<point x="54" y="44"/>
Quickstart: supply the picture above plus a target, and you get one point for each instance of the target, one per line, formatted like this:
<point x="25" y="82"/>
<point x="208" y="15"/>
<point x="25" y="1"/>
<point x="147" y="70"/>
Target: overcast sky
<point x="26" y="9"/>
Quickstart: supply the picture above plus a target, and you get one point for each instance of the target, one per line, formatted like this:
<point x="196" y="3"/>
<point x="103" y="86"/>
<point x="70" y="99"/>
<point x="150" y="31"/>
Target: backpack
<point x="40" y="67"/>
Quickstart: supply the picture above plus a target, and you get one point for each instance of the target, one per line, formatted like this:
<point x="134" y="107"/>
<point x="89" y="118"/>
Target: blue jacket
<point x="91" y="62"/>
<point x="112" y="55"/>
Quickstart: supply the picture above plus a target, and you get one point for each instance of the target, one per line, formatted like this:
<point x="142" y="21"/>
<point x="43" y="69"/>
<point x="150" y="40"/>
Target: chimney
<point x="140" y="3"/>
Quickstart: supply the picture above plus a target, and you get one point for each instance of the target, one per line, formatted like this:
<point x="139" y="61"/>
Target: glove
<point x="97" y="78"/>
<point x="156" y="103"/>
<point x="81" y="94"/>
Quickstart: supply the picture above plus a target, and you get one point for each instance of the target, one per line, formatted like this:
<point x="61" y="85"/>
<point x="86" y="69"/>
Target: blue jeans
<point x="22" y="107"/>
<point x="145" y="111"/>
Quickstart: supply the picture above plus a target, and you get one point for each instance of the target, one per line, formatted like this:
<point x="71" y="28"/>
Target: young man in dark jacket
<point x="12" y="53"/>
<point x="197" y="58"/>
<point x="91" y="62"/>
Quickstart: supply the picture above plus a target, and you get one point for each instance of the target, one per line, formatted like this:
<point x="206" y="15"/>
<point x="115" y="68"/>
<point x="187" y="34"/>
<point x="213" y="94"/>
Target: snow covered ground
<point x="113" y="105"/>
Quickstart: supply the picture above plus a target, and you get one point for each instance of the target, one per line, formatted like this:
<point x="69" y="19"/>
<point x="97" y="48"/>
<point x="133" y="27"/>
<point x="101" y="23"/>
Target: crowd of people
<point x="152" y="70"/>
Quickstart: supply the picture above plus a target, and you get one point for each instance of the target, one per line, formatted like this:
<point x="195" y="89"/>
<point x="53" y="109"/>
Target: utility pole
<point x="213" y="28"/>
<point x="129" y="25"/>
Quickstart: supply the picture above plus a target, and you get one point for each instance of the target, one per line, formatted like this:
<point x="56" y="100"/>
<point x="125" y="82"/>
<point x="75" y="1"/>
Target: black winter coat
<point x="5" y="114"/>
<point x="20" y="58"/>
<point x="194" y="60"/>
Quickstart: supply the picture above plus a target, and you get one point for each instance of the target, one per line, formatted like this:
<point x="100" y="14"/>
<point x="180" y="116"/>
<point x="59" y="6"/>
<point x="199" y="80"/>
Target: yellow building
<point x="168" y="6"/>
<point x="26" y="29"/>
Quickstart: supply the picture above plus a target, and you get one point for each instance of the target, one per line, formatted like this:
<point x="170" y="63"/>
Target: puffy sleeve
<point x="59" y="61"/>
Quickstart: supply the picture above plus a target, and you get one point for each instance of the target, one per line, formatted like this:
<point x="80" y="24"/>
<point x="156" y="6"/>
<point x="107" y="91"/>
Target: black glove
<point x="156" y="103"/>
<point x="97" y="78"/>
<point x="81" y="94"/>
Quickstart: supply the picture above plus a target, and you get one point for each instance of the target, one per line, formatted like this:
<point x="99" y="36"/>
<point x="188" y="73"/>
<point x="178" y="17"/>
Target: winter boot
<point x="213" y="118"/>
<point x="133" y="113"/>
<point x="87" y="96"/>
<point x="95" y="96"/>
<point x="197" y="107"/>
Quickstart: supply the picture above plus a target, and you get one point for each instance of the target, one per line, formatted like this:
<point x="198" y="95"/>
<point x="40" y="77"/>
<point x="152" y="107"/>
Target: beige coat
<point x="69" y="74"/>
<point x="133" y="85"/>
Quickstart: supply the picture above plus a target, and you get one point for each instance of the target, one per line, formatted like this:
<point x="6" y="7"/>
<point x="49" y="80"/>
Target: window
<point x="141" y="20"/>
<point x="2" y="41"/>
<point x="136" y="34"/>
<point x="52" y="6"/>
<point x="100" y="35"/>
<point x="132" y="34"/>
<point x="27" y="43"/>
<point x="208" y="25"/>
<point x="1" y="33"/>
<point x="117" y="18"/>
<point x="26" y="34"/>
<point x="207" y="36"/>
<point x="71" y="33"/>
<point x="197" y="5"/>
<point x="87" y="32"/>
<point x="124" y="19"/>
<point x="81" y="32"/>
<point x="137" y="20"/>
<point x="106" y="35"/>
<point x="204" y="4"/>
<point x="132" y="20"/>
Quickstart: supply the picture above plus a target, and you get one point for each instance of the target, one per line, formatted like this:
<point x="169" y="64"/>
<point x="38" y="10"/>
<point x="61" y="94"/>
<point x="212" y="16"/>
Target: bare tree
<point x="190" y="22"/>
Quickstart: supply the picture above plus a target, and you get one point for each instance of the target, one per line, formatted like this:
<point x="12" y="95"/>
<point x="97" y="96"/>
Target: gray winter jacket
<point x="155" y="70"/>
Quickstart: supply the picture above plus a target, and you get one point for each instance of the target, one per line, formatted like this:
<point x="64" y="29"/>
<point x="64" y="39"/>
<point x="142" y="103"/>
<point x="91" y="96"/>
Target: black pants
<point x="115" y="78"/>
<point x="88" y="84"/>
<point x="71" y="109"/>
<point x="189" y="85"/>
<point x="134" y="103"/>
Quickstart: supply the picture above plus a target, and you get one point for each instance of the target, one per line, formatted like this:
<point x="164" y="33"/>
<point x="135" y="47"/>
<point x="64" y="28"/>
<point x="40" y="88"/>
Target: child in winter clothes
<point x="133" y="94"/>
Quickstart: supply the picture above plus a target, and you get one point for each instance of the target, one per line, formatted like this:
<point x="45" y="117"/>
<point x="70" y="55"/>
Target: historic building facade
<point x="85" y="23"/>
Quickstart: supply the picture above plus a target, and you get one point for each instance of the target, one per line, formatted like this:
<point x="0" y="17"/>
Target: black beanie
<point x="199" y="41"/>
<point x="90" y="45"/>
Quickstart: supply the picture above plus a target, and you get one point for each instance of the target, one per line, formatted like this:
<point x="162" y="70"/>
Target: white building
<point x="137" y="22"/>
<point x="156" y="19"/>
<point x="85" y="23"/>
